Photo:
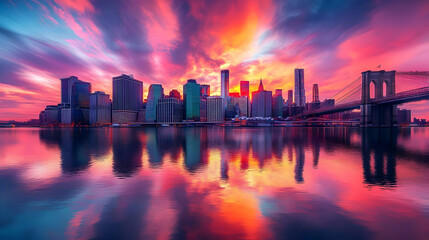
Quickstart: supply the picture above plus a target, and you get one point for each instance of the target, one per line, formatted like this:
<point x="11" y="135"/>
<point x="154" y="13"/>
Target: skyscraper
<point x="74" y="107"/>
<point x="215" y="109"/>
<point x="315" y="93"/>
<point x="261" y="102"/>
<point x="205" y="90"/>
<point x="244" y="88"/>
<point x="191" y="100"/>
<point x="169" y="110"/>
<point x="66" y="88"/>
<point x="278" y="103"/>
<point x="156" y="92"/>
<point x="100" y="108"/>
<point x="289" y="97"/>
<point x="127" y="98"/>
<point x="224" y="85"/>
<point x="299" y="88"/>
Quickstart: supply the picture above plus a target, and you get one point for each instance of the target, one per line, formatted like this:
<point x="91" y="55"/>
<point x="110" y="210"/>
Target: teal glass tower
<point x="191" y="98"/>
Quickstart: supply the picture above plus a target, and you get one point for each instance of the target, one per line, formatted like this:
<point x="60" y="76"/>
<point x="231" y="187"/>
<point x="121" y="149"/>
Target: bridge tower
<point x="373" y="114"/>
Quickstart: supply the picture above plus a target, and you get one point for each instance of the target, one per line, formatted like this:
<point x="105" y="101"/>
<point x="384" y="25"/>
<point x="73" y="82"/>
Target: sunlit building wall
<point x="215" y="109"/>
<point x="100" y="108"/>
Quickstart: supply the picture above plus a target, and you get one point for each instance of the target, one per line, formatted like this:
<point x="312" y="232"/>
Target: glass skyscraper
<point x="156" y="92"/>
<point x="224" y="85"/>
<point x="66" y="88"/>
<point x="299" y="88"/>
<point x="191" y="100"/>
<point x="127" y="99"/>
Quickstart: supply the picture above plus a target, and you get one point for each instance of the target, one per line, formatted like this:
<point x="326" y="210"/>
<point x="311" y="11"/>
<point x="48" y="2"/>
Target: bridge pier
<point x="373" y="114"/>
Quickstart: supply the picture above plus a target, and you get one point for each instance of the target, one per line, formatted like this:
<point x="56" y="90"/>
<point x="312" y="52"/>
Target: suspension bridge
<point x="377" y="94"/>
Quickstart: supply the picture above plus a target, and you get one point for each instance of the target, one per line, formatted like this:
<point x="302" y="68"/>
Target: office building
<point x="156" y="92"/>
<point x="205" y="90"/>
<point x="244" y="89"/>
<point x="215" y="109"/>
<point x="203" y="109"/>
<point x="224" y="85"/>
<point x="176" y="94"/>
<point x="169" y="110"/>
<point x="404" y="116"/>
<point x="127" y="98"/>
<point x="261" y="102"/>
<point x="299" y="88"/>
<point x="315" y="93"/>
<point x="75" y="108"/>
<point x="66" y="88"/>
<point x="191" y="100"/>
<point x="278" y="103"/>
<point x="100" y="108"/>
<point x="49" y="115"/>
<point x="289" y="98"/>
<point x="242" y="104"/>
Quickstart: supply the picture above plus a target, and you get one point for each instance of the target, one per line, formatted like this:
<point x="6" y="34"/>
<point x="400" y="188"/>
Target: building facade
<point x="127" y="98"/>
<point x="169" y="110"/>
<point x="156" y="92"/>
<point x="289" y="101"/>
<point x="224" y="84"/>
<point x="316" y="93"/>
<point x="244" y="89"/>
<point x="100" y="108"/>
<point x="205" y="90"/>
<point x="191" y="100"/>
<point x="66" y="88"/>
<point x="262" y="102"/>
<point x="299" y="88"/>
<point x="215" y="109"/>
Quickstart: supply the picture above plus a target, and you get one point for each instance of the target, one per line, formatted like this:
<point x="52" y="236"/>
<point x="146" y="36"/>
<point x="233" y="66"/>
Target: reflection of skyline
<point x="217" y="196"/>
<point x="378" y="147"/>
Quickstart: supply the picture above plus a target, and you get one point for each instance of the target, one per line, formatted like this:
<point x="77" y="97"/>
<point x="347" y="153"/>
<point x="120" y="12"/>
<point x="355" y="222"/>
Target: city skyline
<point x="169" y="43"/>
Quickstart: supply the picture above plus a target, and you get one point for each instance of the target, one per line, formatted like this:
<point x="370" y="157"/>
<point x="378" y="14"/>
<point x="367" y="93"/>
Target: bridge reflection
<point x="252" y="148"/>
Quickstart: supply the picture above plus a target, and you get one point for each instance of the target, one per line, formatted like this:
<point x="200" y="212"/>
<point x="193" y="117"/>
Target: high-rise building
<point x="278" y="104"/>
<point x="224" y="85"/>
<point x="156" y="92"/>
<point x="215" y="109"/>
<point x="74" y="108"/>
<point x="66" y="88"/>
<point x="100" y="108"/>
<point x="205" y="90"/>
<point x="127" y="98"/>
<point x="169" y="110"/>
<point x="299" y="87"/>
<point x="315" y="93"/>
<point x="203" y="109"/>
<point x="175" y="94"/>
<point x="191" y="100"/>
<point x="278" y="92"/>
<point x="243" y="105"/>
<point x="261" y="102"/>
<point x="49" y="115"/>
<point x="404" y="116"/>
<point x="244" y="88"/>
<point x="289" y="97"/>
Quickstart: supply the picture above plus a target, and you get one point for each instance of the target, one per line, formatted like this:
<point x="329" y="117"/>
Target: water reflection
<point x="378" y="148"/>
<point x="213" y="183"/>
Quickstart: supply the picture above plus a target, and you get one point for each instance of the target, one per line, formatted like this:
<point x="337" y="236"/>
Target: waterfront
<point x="214" y="182"/>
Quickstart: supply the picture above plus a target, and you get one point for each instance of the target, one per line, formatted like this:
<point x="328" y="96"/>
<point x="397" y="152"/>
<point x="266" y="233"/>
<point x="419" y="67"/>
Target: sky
<point x="168" y="42"/>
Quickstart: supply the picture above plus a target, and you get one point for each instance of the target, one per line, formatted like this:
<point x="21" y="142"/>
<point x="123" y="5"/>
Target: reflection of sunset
<point x="233" y="183"/>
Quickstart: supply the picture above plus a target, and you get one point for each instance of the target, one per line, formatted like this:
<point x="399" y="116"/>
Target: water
<point x="214" y="183"/>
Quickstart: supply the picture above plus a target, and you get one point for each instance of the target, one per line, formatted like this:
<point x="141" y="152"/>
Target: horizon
<point x="168" y="42"/>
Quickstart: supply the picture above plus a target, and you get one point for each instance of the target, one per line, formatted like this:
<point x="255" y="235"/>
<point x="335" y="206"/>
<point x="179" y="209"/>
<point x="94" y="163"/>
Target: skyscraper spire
<point x="261" y="86"/>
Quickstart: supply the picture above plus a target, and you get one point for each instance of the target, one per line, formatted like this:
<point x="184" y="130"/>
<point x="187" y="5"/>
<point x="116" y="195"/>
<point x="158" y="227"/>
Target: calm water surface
<point x="214" y="183"/>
